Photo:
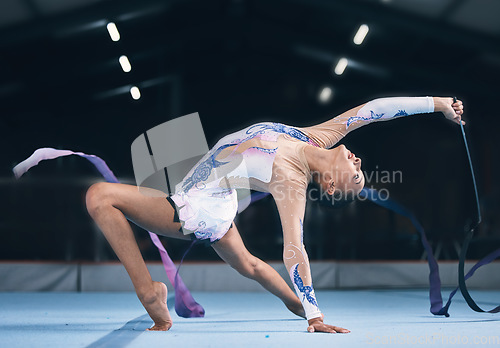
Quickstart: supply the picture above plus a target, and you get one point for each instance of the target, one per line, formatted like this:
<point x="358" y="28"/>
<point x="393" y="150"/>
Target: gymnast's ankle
<point x="148" y="295"/>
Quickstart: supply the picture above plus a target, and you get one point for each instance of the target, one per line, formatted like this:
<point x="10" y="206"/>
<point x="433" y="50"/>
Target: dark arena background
<point x="239" y="62"/>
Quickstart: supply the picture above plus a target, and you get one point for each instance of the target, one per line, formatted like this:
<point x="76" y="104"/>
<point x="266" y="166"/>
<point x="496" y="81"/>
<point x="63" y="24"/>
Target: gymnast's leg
<point x="232" y="250"/>
<point x="110" y="205"/>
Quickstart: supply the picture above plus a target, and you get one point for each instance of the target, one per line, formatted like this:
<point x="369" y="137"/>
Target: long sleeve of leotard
<point x="291" y="207"/>
<point x="328" y="133"/>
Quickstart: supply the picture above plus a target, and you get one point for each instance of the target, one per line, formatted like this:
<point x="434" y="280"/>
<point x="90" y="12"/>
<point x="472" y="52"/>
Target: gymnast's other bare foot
<point x="156" y="306"/>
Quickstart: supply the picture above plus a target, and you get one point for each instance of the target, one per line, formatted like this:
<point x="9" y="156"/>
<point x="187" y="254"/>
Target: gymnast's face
<point x="344" y="173"/>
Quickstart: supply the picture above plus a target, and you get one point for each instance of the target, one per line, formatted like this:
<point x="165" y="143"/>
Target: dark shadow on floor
<point x="124" y="335"/>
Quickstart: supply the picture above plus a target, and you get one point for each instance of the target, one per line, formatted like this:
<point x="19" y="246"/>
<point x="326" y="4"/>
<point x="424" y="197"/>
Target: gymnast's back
<point x="260" y="157"/>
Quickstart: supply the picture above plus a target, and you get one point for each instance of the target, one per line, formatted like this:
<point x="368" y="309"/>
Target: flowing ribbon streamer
<point x="470" y="234"/>
<point x="185" y="305"/>
<point x="434" y="279"/>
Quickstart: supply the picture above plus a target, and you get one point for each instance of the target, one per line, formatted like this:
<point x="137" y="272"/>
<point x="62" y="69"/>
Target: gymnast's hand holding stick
<point x="452" y="110"/>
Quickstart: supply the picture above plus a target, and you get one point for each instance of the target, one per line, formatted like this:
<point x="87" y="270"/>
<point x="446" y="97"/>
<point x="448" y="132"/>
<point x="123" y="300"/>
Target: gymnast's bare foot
<point x="156" y="306"/>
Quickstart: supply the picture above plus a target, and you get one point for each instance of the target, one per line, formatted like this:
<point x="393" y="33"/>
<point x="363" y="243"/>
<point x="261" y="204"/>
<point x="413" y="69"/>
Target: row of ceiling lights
<point x="326" y="93"/>
<point x="123" y="60"/>
<point x="324" y="96"/>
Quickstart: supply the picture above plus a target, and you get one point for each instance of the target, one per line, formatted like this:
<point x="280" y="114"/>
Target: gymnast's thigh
<point x="147" y="208"/>
<point x="232" y="250"/>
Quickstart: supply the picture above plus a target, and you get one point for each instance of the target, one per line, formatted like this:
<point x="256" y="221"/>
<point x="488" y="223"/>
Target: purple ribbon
<point x="185" y="305"/>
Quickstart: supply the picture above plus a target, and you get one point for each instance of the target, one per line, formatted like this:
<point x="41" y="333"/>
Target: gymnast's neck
<point x="318" y="158"/>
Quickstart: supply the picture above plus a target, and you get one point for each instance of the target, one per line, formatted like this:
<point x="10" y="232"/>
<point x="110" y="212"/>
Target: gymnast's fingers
<point x="458" y="120"/>
<point x="317" y="327"/>
<point x="340" y="329"/>
<point x="321" y="327"/>
<point x="458" y="107"/>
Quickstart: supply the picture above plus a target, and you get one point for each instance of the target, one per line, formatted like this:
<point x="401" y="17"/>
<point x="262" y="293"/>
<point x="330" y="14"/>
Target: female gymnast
<point x="266" y="157"/>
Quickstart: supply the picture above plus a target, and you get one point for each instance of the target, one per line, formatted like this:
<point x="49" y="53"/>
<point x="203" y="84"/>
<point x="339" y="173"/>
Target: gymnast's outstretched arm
<point x="328" y="133"/>
<point x="291" y="208"/>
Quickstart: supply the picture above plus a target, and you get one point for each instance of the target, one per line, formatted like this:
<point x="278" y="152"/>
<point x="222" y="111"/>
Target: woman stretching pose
<point x="266" y="157"/>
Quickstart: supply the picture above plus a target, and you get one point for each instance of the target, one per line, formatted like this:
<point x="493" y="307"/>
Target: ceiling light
<point x="124" y="62"/>
<point x="361" y="34"/>
<point x="341" y="65"/>
<point x="136" y="94"/>
<point x="113" y="31"/>
<point x="325" y="95"/>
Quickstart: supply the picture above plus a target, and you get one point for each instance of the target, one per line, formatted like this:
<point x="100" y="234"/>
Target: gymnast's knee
<point x="98" y="197"/>
<point x="249" y="268"/>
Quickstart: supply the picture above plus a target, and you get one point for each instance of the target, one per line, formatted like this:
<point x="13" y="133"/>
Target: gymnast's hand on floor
<point x="452" y="111"/>
<point x="317" y="325"/>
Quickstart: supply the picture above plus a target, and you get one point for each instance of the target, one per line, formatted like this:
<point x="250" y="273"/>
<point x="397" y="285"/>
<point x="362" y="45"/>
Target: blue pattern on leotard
<point x="281" y="128"/>
<point x="305" y="290"/>
<point x="203" y="170"/>
<point x="261" y="149"/>
<point x="373" y="116"/>
<point x="200" y="233"/>
<point x="301" y="232"/>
